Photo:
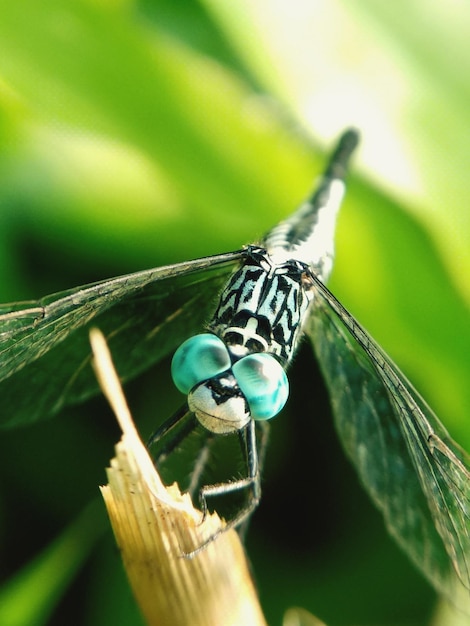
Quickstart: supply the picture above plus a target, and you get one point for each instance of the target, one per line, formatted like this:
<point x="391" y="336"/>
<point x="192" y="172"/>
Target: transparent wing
<point x="44" y="346"/>
<point x="414" y="472"/>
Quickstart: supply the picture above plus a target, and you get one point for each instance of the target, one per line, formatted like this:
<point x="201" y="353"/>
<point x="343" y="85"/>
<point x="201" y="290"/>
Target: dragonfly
<point x="233" y="370"/>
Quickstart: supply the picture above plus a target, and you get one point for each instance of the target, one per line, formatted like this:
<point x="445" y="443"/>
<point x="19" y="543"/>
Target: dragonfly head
<point x="225" y="395"/>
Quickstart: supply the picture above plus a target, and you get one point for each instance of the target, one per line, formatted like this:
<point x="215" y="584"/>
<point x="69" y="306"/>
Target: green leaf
<point x="401" y="78"/>
<point x="31" y="595"/>
<point x="89" y="70"/>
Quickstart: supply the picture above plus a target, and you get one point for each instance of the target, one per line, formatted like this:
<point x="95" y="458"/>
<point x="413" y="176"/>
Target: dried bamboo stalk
<point x="155" y="526"/>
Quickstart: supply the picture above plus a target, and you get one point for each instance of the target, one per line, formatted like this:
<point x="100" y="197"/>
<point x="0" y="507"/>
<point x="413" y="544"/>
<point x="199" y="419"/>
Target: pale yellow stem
<point x="155" y="526"/>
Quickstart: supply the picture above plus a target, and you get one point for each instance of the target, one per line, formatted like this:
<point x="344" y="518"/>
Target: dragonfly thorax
<point x="263" y="305"/>
<point x="249" y="334"/>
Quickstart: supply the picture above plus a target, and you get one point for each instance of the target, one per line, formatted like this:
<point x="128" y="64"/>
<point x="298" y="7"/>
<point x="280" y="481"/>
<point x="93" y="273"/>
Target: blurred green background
<point x="136" y="134"/>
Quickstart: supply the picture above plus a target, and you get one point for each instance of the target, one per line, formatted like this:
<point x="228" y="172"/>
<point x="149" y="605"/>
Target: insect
<point x="234" y="373"/>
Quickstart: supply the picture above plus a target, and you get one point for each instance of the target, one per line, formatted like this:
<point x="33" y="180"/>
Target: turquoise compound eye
<point x="197" y="359"/>
<point x="264" y="384"/>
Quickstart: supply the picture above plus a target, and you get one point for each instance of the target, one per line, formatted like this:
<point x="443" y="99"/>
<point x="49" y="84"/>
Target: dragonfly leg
<point x="248" y="445"/>
<point x="200" y="464"/>
<point x="182" y="423"/>
<point x="250" y="482"/>
<point x="262" y="441"/>
<point x="262" y="435"/>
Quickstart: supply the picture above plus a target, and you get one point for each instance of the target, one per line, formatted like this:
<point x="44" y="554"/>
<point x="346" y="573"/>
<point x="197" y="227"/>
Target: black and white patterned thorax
<point x="262" y="307"/>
